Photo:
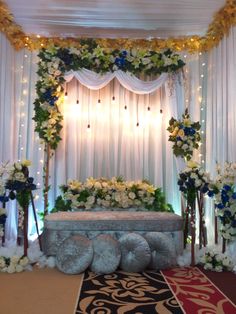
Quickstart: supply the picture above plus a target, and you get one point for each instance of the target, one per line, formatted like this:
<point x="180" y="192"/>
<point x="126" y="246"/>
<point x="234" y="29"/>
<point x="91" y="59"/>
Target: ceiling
<point x="114" y="18"/>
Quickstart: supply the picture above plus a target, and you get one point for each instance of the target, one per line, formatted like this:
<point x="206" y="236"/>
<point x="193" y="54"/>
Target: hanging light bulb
<point x="88" y="127"/>
<point x="148" y="108"/>
<point x="137" y="124"/>
<point x="113" y="98"/>
<point x="77" y="101"/>
<point x="125" y="107"/>
<point x="66" y="95"/>
<point x="99" y="101"/>
<point x="161" y="111"/>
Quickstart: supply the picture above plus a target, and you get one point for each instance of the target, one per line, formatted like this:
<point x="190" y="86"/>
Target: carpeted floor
<point x="179" y="290"/>
<point x="48" y="291"/>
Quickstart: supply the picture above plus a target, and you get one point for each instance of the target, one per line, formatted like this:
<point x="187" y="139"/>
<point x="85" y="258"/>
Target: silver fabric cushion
<point x="107" y="254"/>
<point x="135" y="253"/>
<point x="74" y="255"/>
<point x="162" y="250"/>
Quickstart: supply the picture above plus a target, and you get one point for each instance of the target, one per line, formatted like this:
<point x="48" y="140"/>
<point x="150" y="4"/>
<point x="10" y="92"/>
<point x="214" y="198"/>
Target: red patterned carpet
<point x="178" y="290"/>
<point x="196" y="292"/>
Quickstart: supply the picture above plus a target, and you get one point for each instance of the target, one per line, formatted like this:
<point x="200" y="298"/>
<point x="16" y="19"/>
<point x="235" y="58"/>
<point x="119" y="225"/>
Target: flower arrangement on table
<point x="111" y="194"/>
<point x="225" y="200"/>
<point x="216" y="261"/>
<point x="13" y="264"/>
<point x="185" y="136"/>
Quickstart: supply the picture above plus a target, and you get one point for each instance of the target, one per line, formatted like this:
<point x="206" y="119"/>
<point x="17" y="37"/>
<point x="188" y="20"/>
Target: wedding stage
<point x="59" y="226"/>
<point x="130" y="240"/>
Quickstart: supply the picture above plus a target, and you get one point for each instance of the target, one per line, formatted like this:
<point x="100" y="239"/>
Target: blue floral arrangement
<point x="193" y="180"/>
<point x="185" y="135"/>
<point x="226" y="211"/>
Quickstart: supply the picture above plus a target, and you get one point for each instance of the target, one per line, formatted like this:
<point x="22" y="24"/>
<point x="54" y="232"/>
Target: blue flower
<point x="191" y="131"/>
<point x="204" y="189"/>
<point x="178" y="138"/>
<point x="227" y="213"/>
<point x="234" y="195"/>
<point x="181" y="126"/>
<point x="224" y="198"/>
<point x="227" y="187"/>
<point x="210" y="193"/>
<point x="124" y="53"/>
<point x="233" y="223"/>
<point x="220" y="206"/>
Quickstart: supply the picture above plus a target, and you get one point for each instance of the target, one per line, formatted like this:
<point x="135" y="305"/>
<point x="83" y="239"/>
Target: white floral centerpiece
<point x="13" y="264"/>
<point x="111" y="194"/>
<point x="216" y="261"/>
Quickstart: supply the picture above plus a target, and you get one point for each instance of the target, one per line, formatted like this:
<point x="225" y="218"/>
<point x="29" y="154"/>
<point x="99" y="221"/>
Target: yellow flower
<point x="192" y="164"/>
<point x="26" y="163"/>
<point x="151" y="189"/>
<point x="181" y="133"/>
<point x="187" y="122"/>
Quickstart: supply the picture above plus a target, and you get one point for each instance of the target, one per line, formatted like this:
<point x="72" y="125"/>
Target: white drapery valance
<point x="97" y="81"/>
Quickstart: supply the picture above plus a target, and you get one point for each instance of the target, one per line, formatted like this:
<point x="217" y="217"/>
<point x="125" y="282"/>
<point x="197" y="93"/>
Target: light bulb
<point x="77" y="101"/>
<point x="99" y="101"/>
<point x="161" y="111"/>
<point x="148" y="108"/>
<point x="66" y="95"/>
<point x="125" y="107"/>
<point x="137" y="124"/>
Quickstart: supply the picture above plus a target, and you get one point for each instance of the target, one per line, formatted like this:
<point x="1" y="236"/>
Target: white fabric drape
<point x="114" y="144"/>
<point x="221" y="102"/>
<point x="18" y="140"/>
<point x="97" y="81"/>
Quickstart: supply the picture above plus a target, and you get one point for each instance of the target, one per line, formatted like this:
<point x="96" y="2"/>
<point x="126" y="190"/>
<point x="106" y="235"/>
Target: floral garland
<point x="225" y="200"/>
<point x="223" y="20"/>
<point x="185" y="135"/>
<point x="13" y="264"/>
<point x="216" y="261"/>
<point x="55" y="61"/>
<point x="114" y="193"/>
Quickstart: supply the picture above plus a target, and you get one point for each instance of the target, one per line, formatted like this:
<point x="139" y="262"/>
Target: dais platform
<point x="61" y="225"/>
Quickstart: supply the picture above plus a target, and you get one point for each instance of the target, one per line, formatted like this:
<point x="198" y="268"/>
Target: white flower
<point x="19" y="268"/>
<point x="218" y="268"/>
<point x="179" y="143"/>
<point x="24" y="261"/>
<point x="11" y="269"/>
<point x="2" y="262"/>
<point x="207" y="266"/>
<point x="18" y="166"/>
<point x="185" y="147"/>
<point x="15" y="259"/>
<point x="132" y="195"/>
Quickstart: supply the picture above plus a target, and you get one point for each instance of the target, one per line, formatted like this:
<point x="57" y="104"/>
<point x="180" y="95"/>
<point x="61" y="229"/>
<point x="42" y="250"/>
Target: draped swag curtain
<point x="123" y="150"/>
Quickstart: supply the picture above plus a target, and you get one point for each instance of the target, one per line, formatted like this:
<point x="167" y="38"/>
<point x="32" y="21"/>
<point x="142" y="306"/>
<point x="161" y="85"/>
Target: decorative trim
<point x="223" y="20"/>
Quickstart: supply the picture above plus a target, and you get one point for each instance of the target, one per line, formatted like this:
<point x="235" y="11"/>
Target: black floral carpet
<point x="123" y="292"/>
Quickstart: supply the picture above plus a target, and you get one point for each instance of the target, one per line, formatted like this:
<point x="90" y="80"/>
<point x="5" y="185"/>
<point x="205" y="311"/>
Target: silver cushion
<point x="135" y="253"/>
<point x="107" y="254"/>
<point x="163" y="253"/>
<point x="74" y="255"/>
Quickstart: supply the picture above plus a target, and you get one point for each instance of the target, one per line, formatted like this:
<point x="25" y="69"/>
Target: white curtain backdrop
<point x="114" y="144"/>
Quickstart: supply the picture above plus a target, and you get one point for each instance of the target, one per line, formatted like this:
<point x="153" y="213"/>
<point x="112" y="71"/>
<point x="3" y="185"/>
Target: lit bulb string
<point x="23" y="93"/>
<point x="202" y="104"/>
<point x="137" y="111"/>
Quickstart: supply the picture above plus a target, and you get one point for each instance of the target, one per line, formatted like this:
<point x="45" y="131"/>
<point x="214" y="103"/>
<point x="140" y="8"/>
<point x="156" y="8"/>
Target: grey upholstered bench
<point x="61" y="225"/>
